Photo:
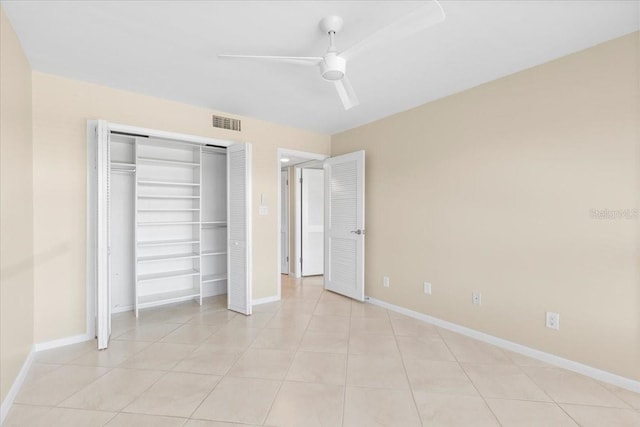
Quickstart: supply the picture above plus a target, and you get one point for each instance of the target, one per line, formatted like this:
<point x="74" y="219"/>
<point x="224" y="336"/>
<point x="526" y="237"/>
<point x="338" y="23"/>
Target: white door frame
<point x="297" y="223"/>
<point x="284" y="216"/>
<point x="92" y="198"/>
<point x="285" y="152"/>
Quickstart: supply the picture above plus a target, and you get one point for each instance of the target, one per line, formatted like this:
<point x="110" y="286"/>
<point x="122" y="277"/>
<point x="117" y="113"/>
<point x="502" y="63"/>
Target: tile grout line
<point x="404" y="368"/>
<point x="546" y="393"/>
<point x="629" y="406"/>
<point x="165" y="372"/>
<point x="111" y="369"/>
<point x="108" y="369"/>
<point x="346" y="368"/>
<point x="111" y="419"/>
<point x="468" y="377"/>
<point x="284" y="378"/>
<point x="221" y="379"/>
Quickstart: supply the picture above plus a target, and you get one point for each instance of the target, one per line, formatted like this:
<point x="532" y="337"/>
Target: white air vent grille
<point x="226" y="123"/>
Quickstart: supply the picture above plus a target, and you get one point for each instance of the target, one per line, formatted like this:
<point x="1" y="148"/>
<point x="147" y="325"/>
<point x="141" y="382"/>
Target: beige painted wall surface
<point x="492" y="189"/>
<point x="61" y="108"/>
<point x="16" y="207"/>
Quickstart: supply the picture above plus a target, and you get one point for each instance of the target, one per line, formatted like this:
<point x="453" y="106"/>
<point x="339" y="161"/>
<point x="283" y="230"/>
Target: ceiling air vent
<point x="226" y="123"/>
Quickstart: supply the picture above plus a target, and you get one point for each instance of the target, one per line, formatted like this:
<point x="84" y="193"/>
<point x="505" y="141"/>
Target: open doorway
<point x="300" y="225"/>
<point x="342" y="214"/>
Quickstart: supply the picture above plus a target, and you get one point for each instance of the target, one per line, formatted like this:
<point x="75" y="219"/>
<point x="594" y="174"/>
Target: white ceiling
<point x="168" y="49"/>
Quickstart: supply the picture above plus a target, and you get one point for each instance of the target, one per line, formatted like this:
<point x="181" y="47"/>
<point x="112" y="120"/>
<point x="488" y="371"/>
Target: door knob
<point x="358" y="232"/>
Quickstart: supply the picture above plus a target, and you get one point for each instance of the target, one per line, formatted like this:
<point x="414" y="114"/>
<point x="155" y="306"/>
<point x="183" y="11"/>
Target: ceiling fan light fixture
<point x="333" y="64"/>
<point x="333" y="67"/>
<point x="333" y="75"/>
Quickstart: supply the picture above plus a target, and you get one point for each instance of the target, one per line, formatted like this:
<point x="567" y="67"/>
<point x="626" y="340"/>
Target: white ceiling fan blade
<point x="417" y="20"/>
<point x="297" y="60"/>
<point x="346" y="93"/>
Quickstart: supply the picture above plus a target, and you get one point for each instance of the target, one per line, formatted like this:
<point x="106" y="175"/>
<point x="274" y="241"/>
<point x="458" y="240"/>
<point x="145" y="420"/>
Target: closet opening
<point x="169" y="221"/>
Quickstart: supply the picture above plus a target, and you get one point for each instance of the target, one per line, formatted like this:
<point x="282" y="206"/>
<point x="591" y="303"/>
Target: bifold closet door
<point x="239" y="228"/>
<point x="103" y="235"/>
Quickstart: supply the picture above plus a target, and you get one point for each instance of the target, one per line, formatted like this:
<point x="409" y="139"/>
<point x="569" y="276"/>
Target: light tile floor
<point x="312" y="359"/>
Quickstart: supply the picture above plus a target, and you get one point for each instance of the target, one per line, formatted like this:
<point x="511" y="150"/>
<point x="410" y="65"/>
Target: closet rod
<point x="115" y="132"/>
<point x="123" y="170"/>
<point x="216" y="146"/>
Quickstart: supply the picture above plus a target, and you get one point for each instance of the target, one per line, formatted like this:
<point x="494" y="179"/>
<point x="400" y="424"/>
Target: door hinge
<point x="300" y="180"/>
<point x="287" y="259"/>
<point x="286" y="182"/>
<point x="300" y="260"/>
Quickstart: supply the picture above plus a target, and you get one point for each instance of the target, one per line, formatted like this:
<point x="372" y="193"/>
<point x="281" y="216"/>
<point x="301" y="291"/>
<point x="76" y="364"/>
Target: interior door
<point x="239" y="228"/>
<point x="344" y="225"/>
<point x="284" y="221"/>
<point x="103" y="235"/>
<point x="312" y="222"/>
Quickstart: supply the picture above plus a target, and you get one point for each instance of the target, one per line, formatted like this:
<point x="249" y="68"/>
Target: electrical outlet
<point x="477" y="298"/>
<point x="385" y="281"/>
<point x="553" y="320"/>
<point x="427" y="288"/>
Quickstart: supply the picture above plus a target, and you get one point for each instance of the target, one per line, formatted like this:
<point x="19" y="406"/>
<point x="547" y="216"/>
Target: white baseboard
<point x="75" y="339"/>
<point x="589" y="371"/>
<point x="16" y="386"/>
<point x="122" y="309"/>
<point x="266" y="300"/>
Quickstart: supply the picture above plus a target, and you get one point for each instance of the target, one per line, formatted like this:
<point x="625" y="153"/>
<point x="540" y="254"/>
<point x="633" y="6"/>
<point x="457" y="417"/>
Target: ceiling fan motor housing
<point x="333" y="67"/>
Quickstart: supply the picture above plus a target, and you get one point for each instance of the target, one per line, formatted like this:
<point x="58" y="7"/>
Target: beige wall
<point x="16" y="208"/>
<point x="491" y="190"/>
<point x="61" y="108"/>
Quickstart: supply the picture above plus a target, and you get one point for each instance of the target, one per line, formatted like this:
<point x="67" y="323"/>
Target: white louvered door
<point x="239" y="228"/>
<point x="103" y="235"/>
<point x="344" y="225"/>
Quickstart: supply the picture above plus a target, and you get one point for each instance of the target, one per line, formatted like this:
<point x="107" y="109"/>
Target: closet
<point x="158" y="224"/>
<point x="169" y="221"/>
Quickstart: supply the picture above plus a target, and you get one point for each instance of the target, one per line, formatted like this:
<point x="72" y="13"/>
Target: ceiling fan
<point x="334" y="63"/>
